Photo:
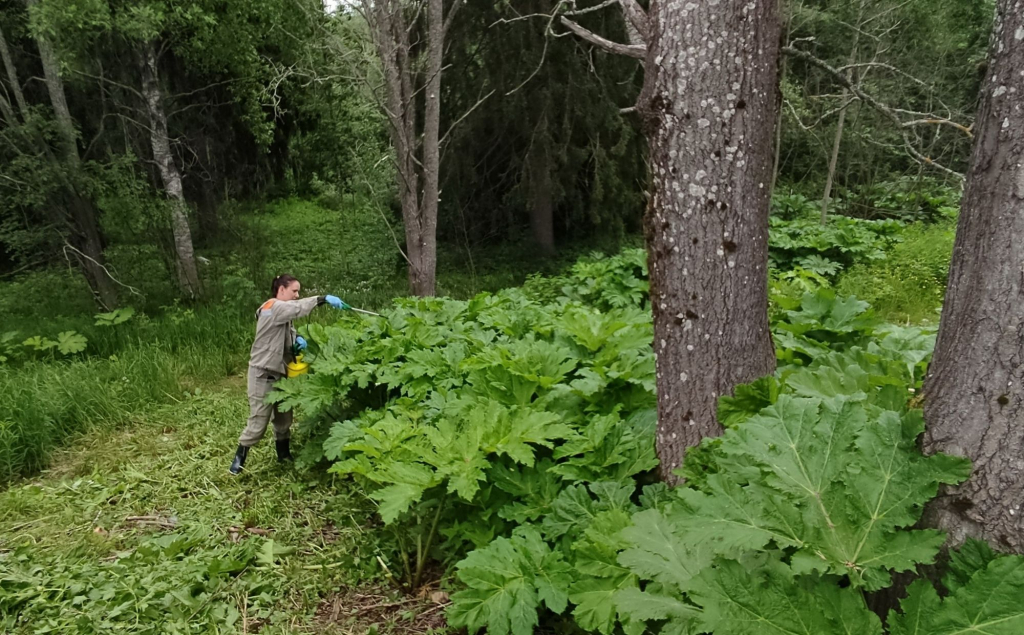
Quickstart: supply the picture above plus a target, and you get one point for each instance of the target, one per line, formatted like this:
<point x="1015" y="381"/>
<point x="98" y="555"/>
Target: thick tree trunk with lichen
<point x="185" y="259"/>
<point x="709" y="106"/>
<point x="974" y="393"/>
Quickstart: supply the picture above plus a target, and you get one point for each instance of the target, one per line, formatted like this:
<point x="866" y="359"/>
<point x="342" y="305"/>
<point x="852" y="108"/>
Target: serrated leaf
<point x="659" y="553"/>
<point x="747" y="400"/>
<point x="921" y="602"/>
<point x="643" y="606"/>
<point x="575" y="509"/>
<point x="730" y="519"/>
<point x="506" y="583"/>
<point x="595" y="601"/>
<point x="115" y="317"/>
<point x="973" y="556"/>
<point x="990" y="603"/>
<point x="396" y="499"/>
<point x="70" y="342"/>
<point x="857" y="482"/>
<point x="39" y="343"/>
<point x="766" y="599"/>
<point x="534" y="489"/>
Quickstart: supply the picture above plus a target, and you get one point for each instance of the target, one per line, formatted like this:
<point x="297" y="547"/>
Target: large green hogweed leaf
<point x="507" y="582"/>
<point x="990" y="603"/>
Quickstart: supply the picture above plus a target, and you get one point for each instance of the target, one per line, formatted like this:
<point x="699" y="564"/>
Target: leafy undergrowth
<point x="510" y="438"/>
<point x="144" y="531"/>
<point x="909" y="284"/>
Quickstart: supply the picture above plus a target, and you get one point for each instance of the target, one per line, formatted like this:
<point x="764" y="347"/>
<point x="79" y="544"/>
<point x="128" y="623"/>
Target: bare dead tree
<point x="895" y="115"/>
<point x="412" y="74"/>
<point x="838" y="141"/>
<point x="637" y="19"/>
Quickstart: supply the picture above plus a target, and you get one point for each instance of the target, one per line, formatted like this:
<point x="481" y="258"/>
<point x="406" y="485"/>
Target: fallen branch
<point x="157" y="521"/>
<point x="131" y="289"/>
<point x="258" y="531"/>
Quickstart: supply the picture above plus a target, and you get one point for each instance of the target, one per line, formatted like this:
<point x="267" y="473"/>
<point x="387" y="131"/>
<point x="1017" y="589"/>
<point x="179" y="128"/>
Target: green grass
<point x="45" y="402"/>
<point x="909" y="284"/>
<point x="142" y="530"/>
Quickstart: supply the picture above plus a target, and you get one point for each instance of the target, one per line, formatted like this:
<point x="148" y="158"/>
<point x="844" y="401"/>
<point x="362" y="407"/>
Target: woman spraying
<point x="272" y="351"/>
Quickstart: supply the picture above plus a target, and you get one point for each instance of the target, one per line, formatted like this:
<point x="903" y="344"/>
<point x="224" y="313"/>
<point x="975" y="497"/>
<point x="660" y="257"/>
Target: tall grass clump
<point x="907" y="286"/>
<point x="43" y="405"/>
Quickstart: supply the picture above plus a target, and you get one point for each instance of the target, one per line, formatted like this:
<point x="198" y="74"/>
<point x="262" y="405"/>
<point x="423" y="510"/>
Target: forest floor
<point x="147" y="516"/>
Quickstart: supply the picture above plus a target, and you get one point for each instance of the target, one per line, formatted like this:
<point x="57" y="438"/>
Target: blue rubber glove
<point x="337" y="302"/>
<point x="300" y="343"/>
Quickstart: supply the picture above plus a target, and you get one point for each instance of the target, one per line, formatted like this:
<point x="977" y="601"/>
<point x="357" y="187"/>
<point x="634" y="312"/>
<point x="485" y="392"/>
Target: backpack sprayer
<point x="298" y="367"/>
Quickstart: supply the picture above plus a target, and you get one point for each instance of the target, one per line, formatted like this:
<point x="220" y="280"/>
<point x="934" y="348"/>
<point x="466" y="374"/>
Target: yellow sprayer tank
<point x="298" y="367"/>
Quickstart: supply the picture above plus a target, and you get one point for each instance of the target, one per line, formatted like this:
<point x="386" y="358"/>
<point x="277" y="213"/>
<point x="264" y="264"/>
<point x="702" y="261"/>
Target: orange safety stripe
<point x="267" y="304"/>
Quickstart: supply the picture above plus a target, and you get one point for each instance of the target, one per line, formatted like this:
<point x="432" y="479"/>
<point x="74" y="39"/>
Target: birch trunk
<point x="185" y="260"/>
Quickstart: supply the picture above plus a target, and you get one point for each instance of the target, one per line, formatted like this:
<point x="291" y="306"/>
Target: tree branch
<point x="636" y="16"/>
<point x="886" y="111"/>
<point x="596" y="7"/>
<point x="637" y="51"/>
<point x="451" y="17"/>
<point x="941" y="122"/>
<point x="464" y="115"/>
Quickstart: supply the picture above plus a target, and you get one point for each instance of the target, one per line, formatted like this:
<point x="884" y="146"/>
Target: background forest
<point x="490" y="453"/>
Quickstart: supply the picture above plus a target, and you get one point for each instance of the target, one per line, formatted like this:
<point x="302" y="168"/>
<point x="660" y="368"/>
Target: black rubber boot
<point x="241" y="454"/>
<point x="284" y="452"/>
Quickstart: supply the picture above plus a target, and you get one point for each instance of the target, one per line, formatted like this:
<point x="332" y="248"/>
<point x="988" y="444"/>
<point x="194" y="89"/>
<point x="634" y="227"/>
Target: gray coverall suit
<point x="271" y="352"/>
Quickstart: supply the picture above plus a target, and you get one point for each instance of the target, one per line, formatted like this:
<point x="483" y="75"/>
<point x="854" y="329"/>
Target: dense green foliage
<point x="828" y="249"/>
<point x="465" y="419"/>
<point x="516" y="428"/>
<point x="500" y="444"/>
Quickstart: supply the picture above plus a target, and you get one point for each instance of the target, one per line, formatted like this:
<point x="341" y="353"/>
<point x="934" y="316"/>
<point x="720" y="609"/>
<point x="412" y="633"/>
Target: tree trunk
<point x="709" y="105"/>
<point x="422" y="275"/>
<point x="417" y="156"/>
<point x="188" y="274"/>
<point x="86" y="239"/>
<point x="838" y="141"/>
<point x="12" y="77"/>
<point x="974" y="393"/>
<point x="833" y="160"/>
<point x="777" y="152"/>
<point x="542" y="220"/>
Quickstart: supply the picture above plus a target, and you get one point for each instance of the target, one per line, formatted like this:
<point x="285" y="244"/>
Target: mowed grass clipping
<point x="142" y="530"/>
